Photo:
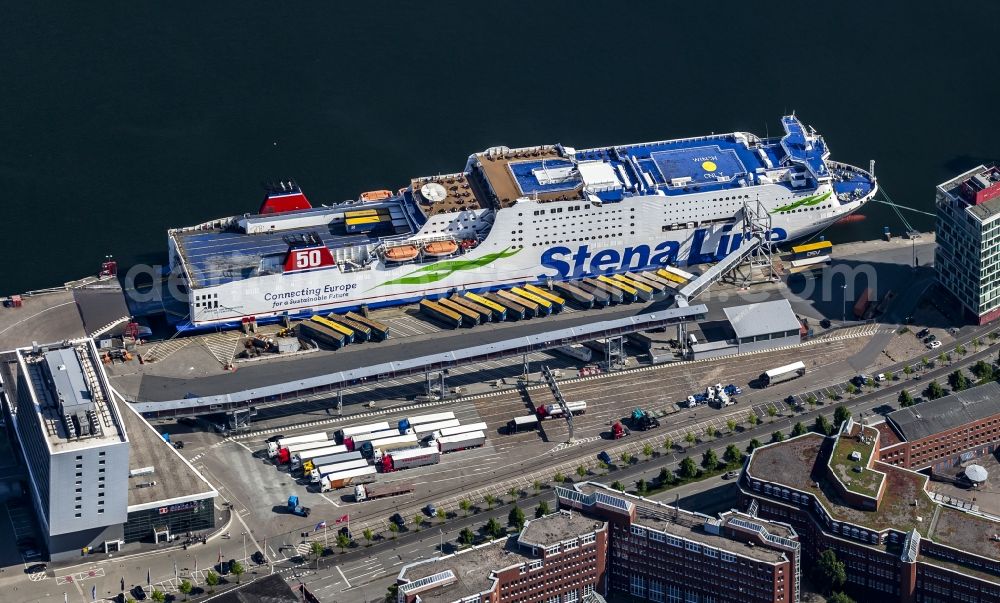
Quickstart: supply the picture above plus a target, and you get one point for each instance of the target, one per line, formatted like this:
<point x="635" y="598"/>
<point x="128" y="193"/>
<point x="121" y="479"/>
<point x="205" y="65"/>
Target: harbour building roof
<point x="936" y="416"/>
<point x="753" y="320"/>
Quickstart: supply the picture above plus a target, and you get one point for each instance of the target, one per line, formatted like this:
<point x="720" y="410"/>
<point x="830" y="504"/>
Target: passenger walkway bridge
<point x="294" y="391"/>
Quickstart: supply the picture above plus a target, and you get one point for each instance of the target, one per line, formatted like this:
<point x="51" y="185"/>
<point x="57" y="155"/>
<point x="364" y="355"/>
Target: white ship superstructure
<point x="512" y="216"/>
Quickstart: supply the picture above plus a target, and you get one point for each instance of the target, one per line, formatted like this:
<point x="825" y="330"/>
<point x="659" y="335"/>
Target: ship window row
<point x="593" y="238"/>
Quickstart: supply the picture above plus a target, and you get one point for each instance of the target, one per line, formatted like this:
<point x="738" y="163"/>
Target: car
<point x="953" y="330"/>
<point x="691" y="401"/>
<point x="923" y="333"/>
<point x="431" y="509"/>
<point x="178" y="444"/>
<point x="397" y="519"/>
<point x="880" y="377"/>
<point x="604" y="457"/>
<point x="860" y="380"/>
<point x="224" y="567"/>
<point x="825" y="323"/>
<point x="934" y="345"/>
<point x="731" y="474"/>
<point x="257" y="558"/>
<point x="35" y="569"/>
<point x="346" y="532"/>
<point x="274" y="438"/>
<point x="138" y="593"/>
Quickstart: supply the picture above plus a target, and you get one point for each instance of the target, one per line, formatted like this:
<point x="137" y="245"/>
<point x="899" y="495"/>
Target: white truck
<point x="363" y="492"/>
<point x="274" y="447"/>
<point x="316" y="475"/>
<point x="423" y="429"/>
<point x="314" y="453"/>
<point x="473" y="439"/>
<point x="348" y="432"/>
<point x="460" y="429"/>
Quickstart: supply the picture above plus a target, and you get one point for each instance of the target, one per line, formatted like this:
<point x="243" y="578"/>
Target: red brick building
<point x="559" y="558"/>
<point x="942" y="433"/>
<point x="896" y="542"/>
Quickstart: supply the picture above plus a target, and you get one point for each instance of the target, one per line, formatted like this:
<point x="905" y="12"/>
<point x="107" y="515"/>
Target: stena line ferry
<point x="512" y="216"/>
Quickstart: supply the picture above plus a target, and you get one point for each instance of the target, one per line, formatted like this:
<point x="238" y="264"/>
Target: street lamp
<point x="244" y="547"/>
<point x="843" y="308"/>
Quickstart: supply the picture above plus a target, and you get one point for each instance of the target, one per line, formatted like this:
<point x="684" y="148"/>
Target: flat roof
<point x="800" y="463"/>
<point x="768" y="317"/>
<point x="864" y="481"/>
<point x="74" y="389"/>
<point x="557" y="527"/>
<point x="688" y="525"/>
<point x="173" y="479"/>
<point x="471" y="569"/>
<point x="936" y="416"/>
<point x="966" y="532"/>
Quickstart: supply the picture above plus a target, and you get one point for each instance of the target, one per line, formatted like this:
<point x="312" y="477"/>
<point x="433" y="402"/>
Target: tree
<point x="777" y="436"/>
<point x="316" y="548"/>
<point x="811" y="401"/>
<point x="418" y="518"/>
<point x="870" y="382"/>
<point x="753" y="445"/>
<point x="512" y="493"/>
<point x="907" y="370"/>
<point x="839" y="597"/>
<point x="753" y="419"/>
<point x="772" y="411"/>
<point x="905" y="399"/>
<point x="542" y="509"/>
<point x="489" y="499"/>
<point x="211" y="580"/>
<point x="626" y="458"/>
<point x="732" y="455"/>
<point x="710" y="432"/>
<point x="343" y="541"/>
<point x="158" y="595"/>
<point x="943" y="357"/>
<point x="710" y="460"/>
<point x="925" y="361"/>
<point x="960" y="350"/>
<point x="185" y="587"/>
<point x="840" y="414"/>
<point x="581" y="471"/>
<point x="889" y="375"/>
<point x="934" y="391"/>
<point x="466" y="536"/>
<point x="852" y="389"/>
<point x="688" y="468"/>
<point x="394" y="528"/>
<point x="983" y="371"/>
<point x="537" y="485"/>
<point x="822" y="426"/>
<point x="465" y="504"/>
<point x="494" y="529"/>
<point x="516" y="518"/>
<point x="602" y="466"/>
<point x="558" y="478"/>
<point x="391" y="594"/>
<point x="798" y="429"/>
<point x="641" y="487"/>
<point x="617" y="485"/>
<point x="666" y="477"/>
<point x="976" y="343"/>
<point x="958" y="381"/>
<point x="647" y="450"/>
<point x="731" y="425"/>
<point x="369" y="535"/>
<point x="830" y="574"/>
<point x="238" y="570"/>
<point x="689" y="438"/>
<point x="441" y="514"/>
<point x="668" y="444"/>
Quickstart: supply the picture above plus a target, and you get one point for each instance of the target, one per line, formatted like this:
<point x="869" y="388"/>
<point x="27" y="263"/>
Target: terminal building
<point x="751" y="328"/>
<point x="896" y="541"/>
<point x="101" y="478"/>
<point x="968" y="233"/>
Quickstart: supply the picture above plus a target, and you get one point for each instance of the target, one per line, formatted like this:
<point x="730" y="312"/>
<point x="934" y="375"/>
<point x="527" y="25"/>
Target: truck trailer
<point x="407" y="459"/>
<point x="356" y="441"/>
<point x="377" y="448"/>
<point x="274" y="447"/>
<point x="554" y="410"/>
<point x="285" y="453"/>
<point x="523" y="423"/>
<point x="363" y="492"/>
<point x="347" y="432"/>
<point x="458" y="429"/>
<point x="426" y="428"/>
<point x="473" y="439"/>
<point x="341" y="479"/>
<point x="409" y="422"/>
<point x="312" y="453"/>
<point x="331" y="459"/>
<point x="316" y="475"/>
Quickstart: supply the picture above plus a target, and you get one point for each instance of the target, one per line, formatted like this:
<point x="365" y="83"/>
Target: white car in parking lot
<point x="934" y="345"/>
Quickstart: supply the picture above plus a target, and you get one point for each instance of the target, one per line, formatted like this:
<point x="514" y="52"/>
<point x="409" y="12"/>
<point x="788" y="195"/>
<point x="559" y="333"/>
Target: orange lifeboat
<point x="375" y="196"/>
<point x="440" y="248"/>
<point x="402" y="253"/>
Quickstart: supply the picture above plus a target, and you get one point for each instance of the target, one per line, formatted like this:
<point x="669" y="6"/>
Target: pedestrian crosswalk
<point x="160" y="351"/>
<point x="222" y="345"/>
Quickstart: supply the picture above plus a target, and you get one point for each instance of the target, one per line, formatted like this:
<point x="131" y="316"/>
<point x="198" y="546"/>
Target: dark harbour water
<point x="120" y="120"/>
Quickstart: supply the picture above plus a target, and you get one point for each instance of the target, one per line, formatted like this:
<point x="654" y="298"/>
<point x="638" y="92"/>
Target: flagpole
<point x="324" y="535"/>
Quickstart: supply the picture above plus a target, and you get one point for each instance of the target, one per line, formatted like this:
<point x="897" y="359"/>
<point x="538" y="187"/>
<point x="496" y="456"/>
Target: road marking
<point x="343" y="577"/>
<point x="328" y="500"/>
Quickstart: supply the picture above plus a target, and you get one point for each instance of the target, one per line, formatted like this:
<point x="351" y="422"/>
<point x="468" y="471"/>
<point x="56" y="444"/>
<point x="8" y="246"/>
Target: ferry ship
<point x="512" y="216"/>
